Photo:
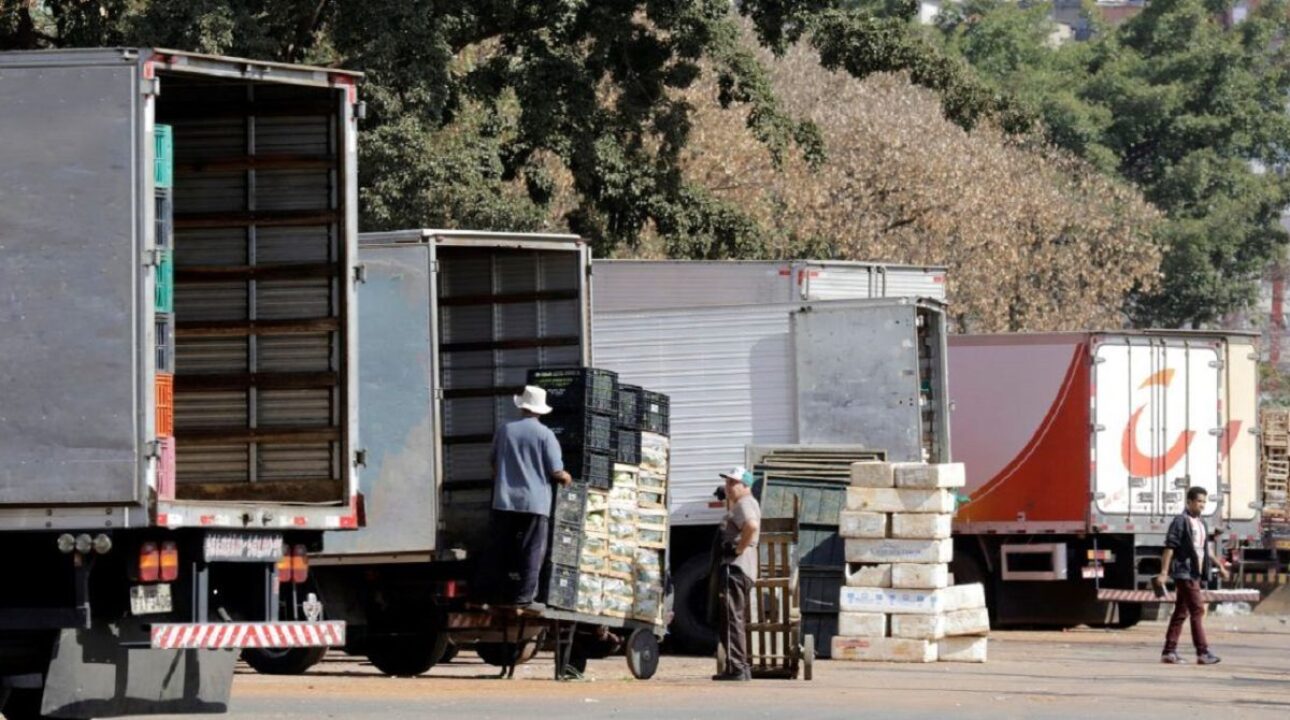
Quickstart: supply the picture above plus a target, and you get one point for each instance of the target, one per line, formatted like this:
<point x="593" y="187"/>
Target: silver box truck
<point x="178" y="370"/>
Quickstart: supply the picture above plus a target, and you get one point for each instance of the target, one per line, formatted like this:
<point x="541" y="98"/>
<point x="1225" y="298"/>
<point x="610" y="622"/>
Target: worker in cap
<point x="526" y="462"/>
<point x="737" y="570"/>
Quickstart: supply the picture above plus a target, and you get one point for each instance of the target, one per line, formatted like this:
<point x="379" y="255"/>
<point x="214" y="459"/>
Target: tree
<point x="1187" y="108"/>
<point x="1034" y="239"/>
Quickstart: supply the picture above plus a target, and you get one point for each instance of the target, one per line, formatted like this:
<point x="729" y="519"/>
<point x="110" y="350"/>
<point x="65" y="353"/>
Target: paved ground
<point x="1080" y="674"/>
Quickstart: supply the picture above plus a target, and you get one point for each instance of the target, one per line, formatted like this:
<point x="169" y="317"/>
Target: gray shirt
<point x="732" y="526"/>
<point x="525" y="454"/>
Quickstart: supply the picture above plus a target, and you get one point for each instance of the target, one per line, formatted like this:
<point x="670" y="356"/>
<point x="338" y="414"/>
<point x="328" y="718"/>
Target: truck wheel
<point x="1130" y="614"/>
<point x="407" y="656"/>
<point x="449" y="652"/>
<point x="283" y="661"/>
<point x="690" y="629"/>
<point x="23" y="704"/>
<point x="494" y="653"/>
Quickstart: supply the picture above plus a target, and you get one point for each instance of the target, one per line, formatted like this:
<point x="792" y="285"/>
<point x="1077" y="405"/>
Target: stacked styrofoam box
<point x="898" y="604"/>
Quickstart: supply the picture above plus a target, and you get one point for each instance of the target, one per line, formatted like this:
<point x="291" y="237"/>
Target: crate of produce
<point x="163" y="156"/>
<point x="566" y="544"/>
<point x="570" y="504"/>
<point x="591" y="468"/>
<point x="628" y="449"/>
<point x="165" y="219"/>
<point x="654" y="412"/>
<point x="586" y="429"/>
<point x="590" y="594"/>
<point x="577" y="389"/>
<point x="165" y="282"/>
<point x="165" y="392"/>
<point x="562" y="588"/>
<point x="629" y="401"/>
<point x="165" y="342"/>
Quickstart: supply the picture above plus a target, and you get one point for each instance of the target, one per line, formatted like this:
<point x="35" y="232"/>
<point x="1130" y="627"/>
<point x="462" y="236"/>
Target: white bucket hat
<point x="533" y="400"/>
<point x="739" y="474"/>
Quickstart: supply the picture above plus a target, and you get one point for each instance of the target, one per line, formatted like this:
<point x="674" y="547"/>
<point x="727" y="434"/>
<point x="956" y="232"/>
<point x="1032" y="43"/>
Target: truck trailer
<point x="178" y="375"/>
<point x="1079" y="450"/>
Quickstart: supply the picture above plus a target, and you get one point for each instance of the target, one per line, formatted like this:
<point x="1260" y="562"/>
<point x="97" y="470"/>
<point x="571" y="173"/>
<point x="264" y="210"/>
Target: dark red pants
<point x="1187" y="603"/>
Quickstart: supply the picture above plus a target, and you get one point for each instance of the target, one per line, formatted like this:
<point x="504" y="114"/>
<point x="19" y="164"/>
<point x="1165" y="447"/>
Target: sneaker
<point x="1172" y="658"/>
<point x="1208" y="658"/>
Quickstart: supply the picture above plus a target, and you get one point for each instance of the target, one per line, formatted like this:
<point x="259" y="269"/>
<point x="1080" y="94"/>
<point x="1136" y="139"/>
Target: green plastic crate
<point x="165" y="299"/>
<point x="163" y="156"/>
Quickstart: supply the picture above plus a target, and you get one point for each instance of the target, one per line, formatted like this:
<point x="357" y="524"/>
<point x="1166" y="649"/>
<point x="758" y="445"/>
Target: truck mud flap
<point x="92" y="675"/>
<point x="216" y="636"/>
<point x="1147" y="596"/>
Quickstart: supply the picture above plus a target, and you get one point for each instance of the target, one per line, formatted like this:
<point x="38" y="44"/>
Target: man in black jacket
<point x="1187" y="559"/>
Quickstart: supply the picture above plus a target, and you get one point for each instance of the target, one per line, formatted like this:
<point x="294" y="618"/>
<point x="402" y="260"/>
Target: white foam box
<point x="934" y="627"/>
<point x="880" y="649"/>
<point x="922" y="475"/>
<point x="921" y="526"/>
<point x="872" y="474"/>
<point x="962" y="649"/>
<point x="859" y="524"/>
<point x="890" y="600"/>
<point x="920" y="576"/>
<point x="854" y="624"/>
<point x="899" y="500"/>
<point x="868" y="575"/>
<point x="863" y="550"/>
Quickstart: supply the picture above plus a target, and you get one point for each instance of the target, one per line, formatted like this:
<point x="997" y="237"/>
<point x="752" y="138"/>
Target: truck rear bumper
<point x="1147" y="596"/>
<point x="218" y="636"/>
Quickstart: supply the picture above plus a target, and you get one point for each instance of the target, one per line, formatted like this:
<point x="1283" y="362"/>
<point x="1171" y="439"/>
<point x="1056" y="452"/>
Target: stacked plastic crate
<point x="899" y="603"/>
<point x="164" y="306"/>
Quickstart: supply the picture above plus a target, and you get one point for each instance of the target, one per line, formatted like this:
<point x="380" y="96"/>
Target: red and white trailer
<point x="1079" y="450"/>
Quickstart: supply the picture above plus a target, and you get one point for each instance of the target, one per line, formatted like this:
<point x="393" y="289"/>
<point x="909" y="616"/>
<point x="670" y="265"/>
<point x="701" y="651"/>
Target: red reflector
<point x="169" y="561"/>
<point x="149" y="562"/>
<point x="299" y="564"/>
<point x="284" y="565"/>
<point x="450" y="589"/>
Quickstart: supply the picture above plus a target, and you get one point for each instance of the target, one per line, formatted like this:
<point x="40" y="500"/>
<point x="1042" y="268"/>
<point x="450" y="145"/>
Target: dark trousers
<point x="1187" y="603"/>
<point x="734" y="589"/>
<point x="519" y="542"/>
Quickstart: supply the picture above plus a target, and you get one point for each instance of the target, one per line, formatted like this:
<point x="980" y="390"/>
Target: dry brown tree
<point x="1033" y="239"/>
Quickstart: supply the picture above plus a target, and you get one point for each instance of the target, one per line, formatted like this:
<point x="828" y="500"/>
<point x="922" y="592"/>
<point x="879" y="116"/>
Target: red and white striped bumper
<point x="217" y="636"/>
<point x="1147" y="596"/>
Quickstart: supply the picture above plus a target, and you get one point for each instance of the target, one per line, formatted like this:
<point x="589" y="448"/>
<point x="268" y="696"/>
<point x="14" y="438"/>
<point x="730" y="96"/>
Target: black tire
<point x="494" y="653"/>
<point x="1129" y="614"/>
<point x="690" y="630"/>
<point x="642" y="653"/>
<point x="407" y="656"/>
<point x="283" y="661"/>
<point x="23" y="704"/>
<point x="449" y="653"/>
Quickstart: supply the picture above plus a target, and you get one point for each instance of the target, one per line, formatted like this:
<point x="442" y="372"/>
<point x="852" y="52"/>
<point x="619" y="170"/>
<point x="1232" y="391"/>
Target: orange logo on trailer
<point x="1139" y="464"/>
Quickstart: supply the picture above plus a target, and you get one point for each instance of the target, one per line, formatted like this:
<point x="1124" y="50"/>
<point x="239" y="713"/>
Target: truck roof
<point x="185" y="61"/>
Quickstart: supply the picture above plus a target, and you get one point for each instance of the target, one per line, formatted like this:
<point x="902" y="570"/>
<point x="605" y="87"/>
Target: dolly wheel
<point x="808" y="656"/>
<point x="642" y="653"/>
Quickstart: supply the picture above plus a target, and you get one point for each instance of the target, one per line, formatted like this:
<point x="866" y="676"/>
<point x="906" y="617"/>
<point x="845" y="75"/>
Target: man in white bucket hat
<point x="526" y="461"/>
<point x="739" y="532"/>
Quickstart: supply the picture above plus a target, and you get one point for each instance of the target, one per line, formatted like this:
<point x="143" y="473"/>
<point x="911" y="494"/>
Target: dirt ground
<point x="1082" y="673"/>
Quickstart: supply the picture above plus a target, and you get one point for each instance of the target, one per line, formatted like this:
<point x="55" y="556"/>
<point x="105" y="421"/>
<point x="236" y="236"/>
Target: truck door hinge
<point x="1098" y="428"/>
<point x="151" y="258"/>
<point x="360" y="274"/>
<point x="150" y="86"/>
<point x="360" y="110"/>
<point x="1218" y="364"/>
<point x="1217" y="432"/>
<point x="434" y="267"/>
<point x="152" y="450"/>
<point x="360" y="458"/>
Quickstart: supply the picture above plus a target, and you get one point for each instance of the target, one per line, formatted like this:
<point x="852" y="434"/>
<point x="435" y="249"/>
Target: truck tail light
<point x="169" y="561"/>
<point x="299" y="564"/>
<point x="149" y="562"/>
<point x="450" y="589"/>
<point x="284" y="566"/>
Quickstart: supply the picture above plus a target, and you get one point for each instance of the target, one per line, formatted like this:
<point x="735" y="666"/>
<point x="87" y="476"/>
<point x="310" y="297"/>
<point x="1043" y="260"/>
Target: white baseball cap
<point x="533" y="400"/>
<point x="738" y="473"/>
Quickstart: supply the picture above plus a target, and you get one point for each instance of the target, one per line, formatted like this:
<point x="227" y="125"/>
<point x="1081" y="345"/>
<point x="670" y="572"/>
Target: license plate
<point x="150" y="599"/>
<point x="243" y="547"/>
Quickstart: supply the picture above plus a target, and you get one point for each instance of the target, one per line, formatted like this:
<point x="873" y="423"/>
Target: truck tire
<point x="690" y="630"/>
<point x="1129" y="614"/>
<point x="283" y="661"/>
<point x="494" y="653"/>
<point x="407" y="656"/>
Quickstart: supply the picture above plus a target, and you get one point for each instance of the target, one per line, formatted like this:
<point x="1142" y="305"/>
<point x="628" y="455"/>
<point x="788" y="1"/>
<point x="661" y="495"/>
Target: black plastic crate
<point x="570" y="389"/>
<point x="629" y="401"/>
<point x="590" y="467"/>
<point x="628" y="450"/>
<point x="586" y="429"/>
<point x="654" y="412"/>
<point x="165" y="342"/>
<point x="566" y="543"/>
<point x="165" y="219"/>
<point x="562" y="588"/>
<point x="571" y="504"/>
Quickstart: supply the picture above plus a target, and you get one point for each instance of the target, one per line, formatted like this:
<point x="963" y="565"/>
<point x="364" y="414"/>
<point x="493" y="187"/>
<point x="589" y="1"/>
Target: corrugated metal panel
<point x="466" y="324"/>
<point x="210" y="301"/>
<point x="213" y="463"/>
<point x="915" y="282"/>
<point x="212" y="410"/>
<point x="295" y="408"/>
<point x="467" y="370"/>
<point x="201" y="356"/>
<point x="725" y="370"/>
<point x="824" y="281"/>
<point x="468" y="416"/>
<point x="294" y="245"/>
<point x="294" y="353"/>
<point x="292" y="189"/>
<point x="312" y="461"/>
<point x="211" y="247"/>
<point x="210" y="192"/>
<point x="210" y="139"/>
<point x="622" y="285"/>
<point x="307" y="135"/>
<point x="298" y="299"/>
